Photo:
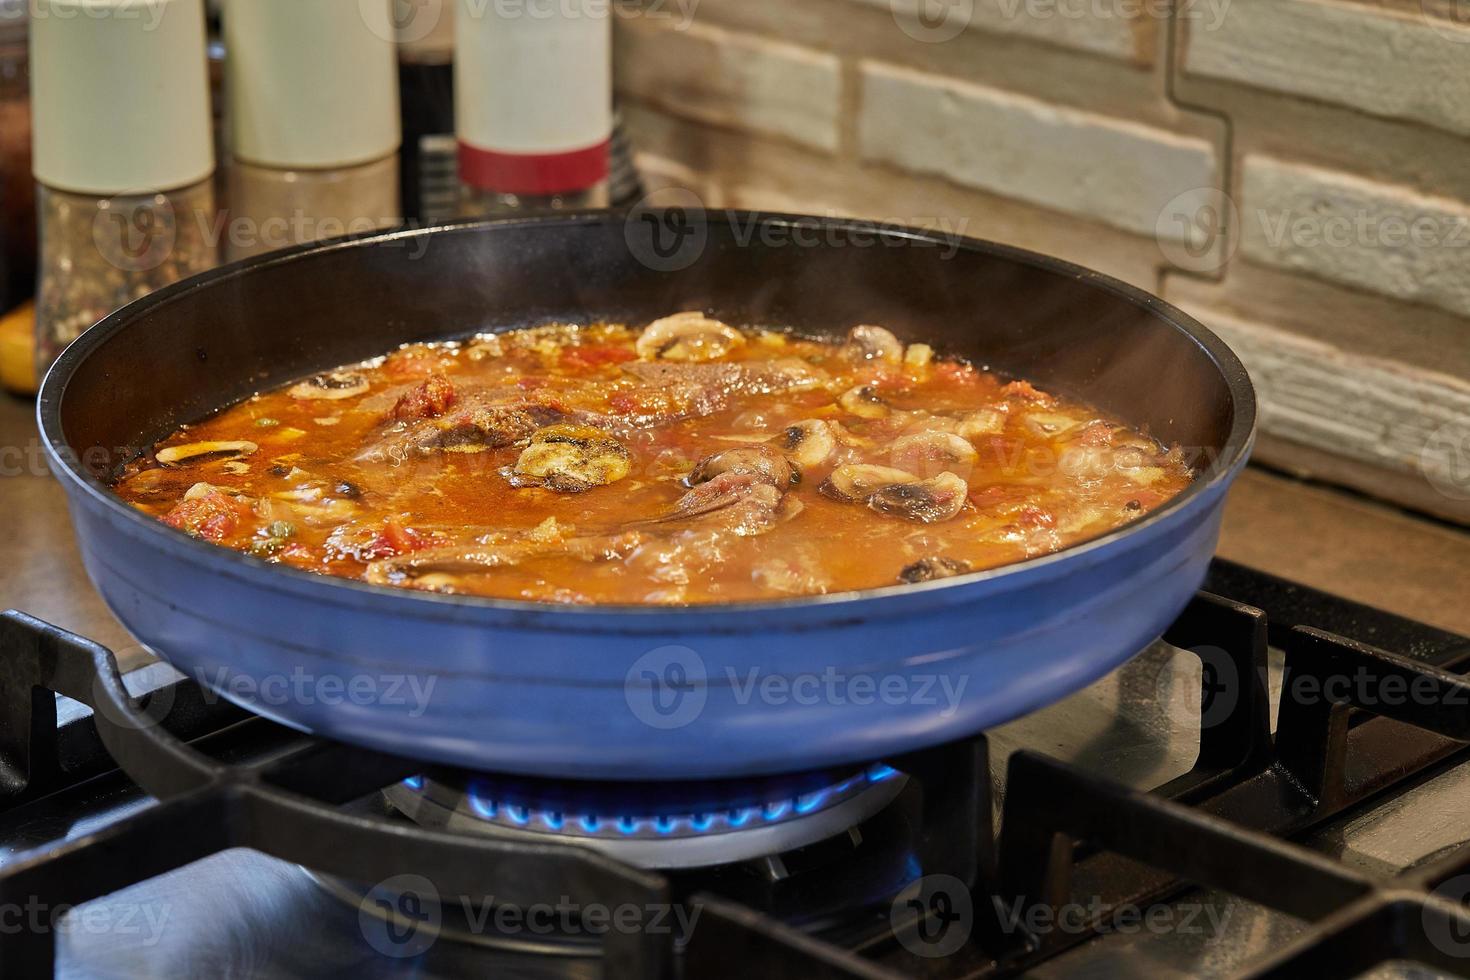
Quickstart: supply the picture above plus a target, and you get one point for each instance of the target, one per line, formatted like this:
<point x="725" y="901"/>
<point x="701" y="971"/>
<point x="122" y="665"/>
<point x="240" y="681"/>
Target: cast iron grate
<point x="1226" y="824"/>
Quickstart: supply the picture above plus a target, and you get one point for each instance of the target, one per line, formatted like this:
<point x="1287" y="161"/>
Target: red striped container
<point x="533" y="89"/>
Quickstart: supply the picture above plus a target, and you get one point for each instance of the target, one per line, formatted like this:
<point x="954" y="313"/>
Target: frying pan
<point x="639" y="692"/>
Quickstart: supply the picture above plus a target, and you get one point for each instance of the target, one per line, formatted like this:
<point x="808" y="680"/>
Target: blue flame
<point x="881" y="773"/>
<point x="809" y="802"/>
<point x="483" y="807"/>
<point x="627" y="825"/>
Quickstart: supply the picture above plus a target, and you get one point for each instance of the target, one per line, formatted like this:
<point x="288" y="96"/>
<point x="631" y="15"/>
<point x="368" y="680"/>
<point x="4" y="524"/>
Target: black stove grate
<point x="227" y="779"/>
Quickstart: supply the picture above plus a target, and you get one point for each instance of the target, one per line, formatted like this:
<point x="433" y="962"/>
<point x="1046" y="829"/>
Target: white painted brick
<point x="1114" y="171"/>
<point x="1381" y="237"/>
<point x="732" y="79"/>
<point x="1372" y="410"/>
<point x="1106" y="29"/>
<point x="1383" y="62"/>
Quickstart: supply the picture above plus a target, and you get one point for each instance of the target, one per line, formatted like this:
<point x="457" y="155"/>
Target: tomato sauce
<point x="687" y="462"/>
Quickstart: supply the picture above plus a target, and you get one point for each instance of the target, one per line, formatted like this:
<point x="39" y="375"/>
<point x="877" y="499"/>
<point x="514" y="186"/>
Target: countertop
<point x="1315" y="535"/>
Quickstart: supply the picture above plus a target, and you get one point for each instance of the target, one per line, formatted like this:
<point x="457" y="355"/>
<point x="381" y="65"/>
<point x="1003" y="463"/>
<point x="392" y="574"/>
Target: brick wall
<point x="1296" y="173"/>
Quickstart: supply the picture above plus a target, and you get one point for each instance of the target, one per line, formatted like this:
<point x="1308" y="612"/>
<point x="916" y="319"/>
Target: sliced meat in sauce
<point x="682" y="461"/>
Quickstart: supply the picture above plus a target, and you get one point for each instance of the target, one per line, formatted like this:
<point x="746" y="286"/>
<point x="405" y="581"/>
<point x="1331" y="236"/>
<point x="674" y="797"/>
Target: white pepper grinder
<point x="122" y="156"/>
<point x="312" y="94"/>
<point x="533" y="104"/>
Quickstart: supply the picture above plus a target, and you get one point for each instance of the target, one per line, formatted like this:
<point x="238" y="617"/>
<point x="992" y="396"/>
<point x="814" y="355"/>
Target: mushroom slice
<point x="687" y="337"/>
<point x="864" y="402"/>
<point x="870" y="343"/>
<point x="928" y="501"/>
<point x="808" y="443"/>
<point x="756" y="460"/>
<point x="858" y="481"/>
<point x="333" y="386"/>
<point x="1049" y="424"/>
<point x="932" y="453"/>
<point x="790" y="374"/>
<point x="198" y="452"/>
<point x="929" y="569"/>
<point x="985" y="422"/>
<point x="569" y="459"/>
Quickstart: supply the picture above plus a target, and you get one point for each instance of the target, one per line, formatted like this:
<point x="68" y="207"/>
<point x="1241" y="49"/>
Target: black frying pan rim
<point x="234" y="564"/>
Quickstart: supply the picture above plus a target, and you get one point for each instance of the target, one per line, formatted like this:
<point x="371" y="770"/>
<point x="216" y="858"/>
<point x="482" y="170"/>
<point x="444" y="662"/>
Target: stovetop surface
<point x="240" y="913"/>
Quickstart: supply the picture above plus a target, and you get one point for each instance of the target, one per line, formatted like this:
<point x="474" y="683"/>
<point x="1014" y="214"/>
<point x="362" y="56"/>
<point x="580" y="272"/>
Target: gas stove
<point x="1278" y="787"/>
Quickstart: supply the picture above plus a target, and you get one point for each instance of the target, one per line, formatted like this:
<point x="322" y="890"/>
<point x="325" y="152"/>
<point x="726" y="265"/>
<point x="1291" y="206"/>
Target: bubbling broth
<point x="686" y="462"/>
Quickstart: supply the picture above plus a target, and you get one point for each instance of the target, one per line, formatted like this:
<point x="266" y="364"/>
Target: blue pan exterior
<point x="646" y="693"/>
<point x="563" y="694"/>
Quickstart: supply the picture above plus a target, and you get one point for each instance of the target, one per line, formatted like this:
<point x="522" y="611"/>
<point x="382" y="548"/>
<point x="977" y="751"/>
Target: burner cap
<point x="655" y="825"/>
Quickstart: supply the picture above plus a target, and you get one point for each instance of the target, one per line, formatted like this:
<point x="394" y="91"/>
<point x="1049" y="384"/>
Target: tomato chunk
<point x="395" y="539"/>
<point x="1027" y="392"/>
<point x="1096" y="433"/>
<point x="213" y="516"/>
<point x="429" y="400"/>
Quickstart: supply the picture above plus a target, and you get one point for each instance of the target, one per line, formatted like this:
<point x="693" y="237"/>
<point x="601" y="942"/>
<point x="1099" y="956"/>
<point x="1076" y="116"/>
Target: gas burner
<point x="681" y="825"/>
